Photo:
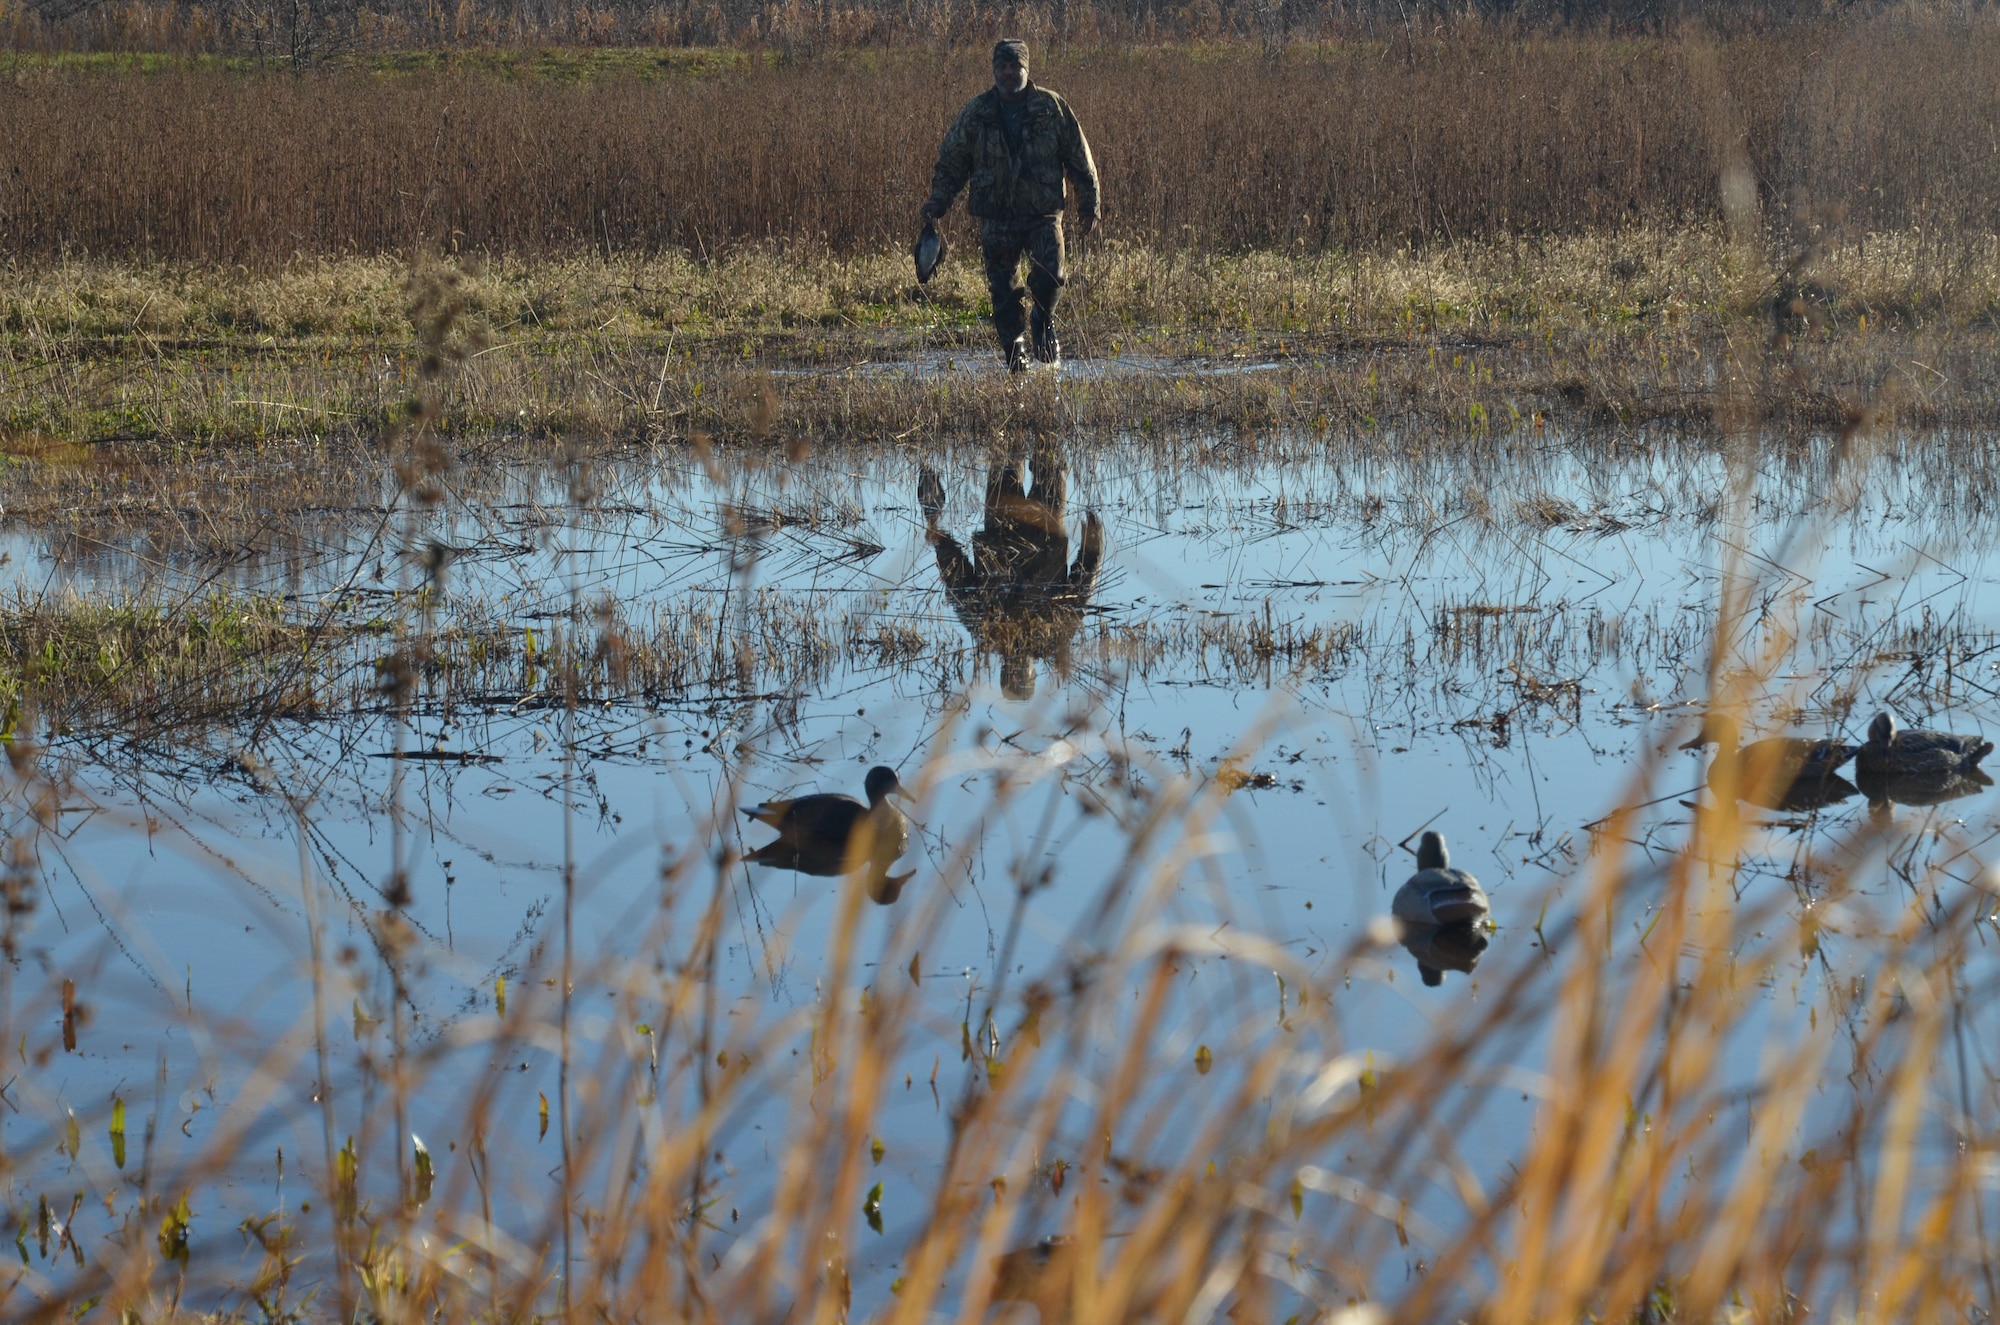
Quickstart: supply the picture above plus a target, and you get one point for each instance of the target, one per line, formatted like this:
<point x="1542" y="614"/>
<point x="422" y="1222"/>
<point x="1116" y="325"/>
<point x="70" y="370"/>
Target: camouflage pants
<point x="1002" y="244"/>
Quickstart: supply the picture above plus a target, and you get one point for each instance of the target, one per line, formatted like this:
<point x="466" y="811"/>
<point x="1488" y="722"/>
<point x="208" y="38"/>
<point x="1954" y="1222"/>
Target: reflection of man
<point x="1016" y="143"/>
<point x="1018" y="594"/>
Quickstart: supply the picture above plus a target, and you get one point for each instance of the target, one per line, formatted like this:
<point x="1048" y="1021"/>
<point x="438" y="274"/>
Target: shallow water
<point x="1496" y="643"/>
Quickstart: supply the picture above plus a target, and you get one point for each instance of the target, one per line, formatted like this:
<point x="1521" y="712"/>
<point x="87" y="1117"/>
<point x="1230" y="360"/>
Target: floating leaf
<point x="1203" y="1060"/>
<point x="424" y="1174"/>
<point x="118" y="1131"/>
<point x="916" y="969"/>
<point x="876" y="1150"/>
<point x="500" y="995"/>
<point x="72" y="1136"/>
<point x="346" y="1169"/>
<point x="1056" y="1175"/>
<point x="174" y="1231"/>
<point x="545" y="1115"/>
<point x="872" y="1207"/>
<point x="1298" y="1198"/>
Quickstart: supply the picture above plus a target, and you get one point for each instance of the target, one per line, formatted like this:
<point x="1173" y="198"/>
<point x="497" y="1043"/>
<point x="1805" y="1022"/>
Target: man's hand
<point x="930" y="211"/>
<point x="1086" y="224"/>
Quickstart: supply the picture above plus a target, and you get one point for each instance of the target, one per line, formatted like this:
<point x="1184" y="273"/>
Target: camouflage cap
<point x="1011" y="50"/>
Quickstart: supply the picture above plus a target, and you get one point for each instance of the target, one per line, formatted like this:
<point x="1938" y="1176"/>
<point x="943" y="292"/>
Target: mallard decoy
<point x="928" y="251"/>
<point x="1892" y="751"/>
<point x="1437" y="894"/>
<point x="828" y="826"/>
<point x="1768" y="769"/>
<point x="1441" y="948"/>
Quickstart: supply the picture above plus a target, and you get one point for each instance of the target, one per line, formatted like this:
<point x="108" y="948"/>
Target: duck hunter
<point x="1016" y="144"/>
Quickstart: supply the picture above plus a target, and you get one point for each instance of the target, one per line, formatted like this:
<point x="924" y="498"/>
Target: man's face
<point x="1009" y="77"/>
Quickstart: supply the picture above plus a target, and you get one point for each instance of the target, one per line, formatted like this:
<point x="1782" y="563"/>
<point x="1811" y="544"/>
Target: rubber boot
<point x="1047" y="348"/>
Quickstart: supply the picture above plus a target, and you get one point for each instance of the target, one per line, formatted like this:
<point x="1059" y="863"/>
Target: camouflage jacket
<point x="1010" y="184"/>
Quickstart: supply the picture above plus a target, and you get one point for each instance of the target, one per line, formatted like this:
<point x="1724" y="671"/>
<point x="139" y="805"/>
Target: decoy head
<point x="881" y="783"/>
<point x="1017" y="676"/>
<point x="1431" y="852"/>
<point x="1883" y="730"/>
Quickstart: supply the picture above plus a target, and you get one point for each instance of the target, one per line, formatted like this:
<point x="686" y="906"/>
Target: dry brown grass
<point x="1463" y="135"/>
<point x="1460" y="339"/>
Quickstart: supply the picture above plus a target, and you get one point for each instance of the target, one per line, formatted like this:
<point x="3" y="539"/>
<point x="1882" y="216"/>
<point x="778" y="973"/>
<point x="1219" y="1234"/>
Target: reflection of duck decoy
<point x="1892" y="751"/>
<point x="830" y="834"/>
<point x="1017" y="592"/>
<point x="1801" y="796"/>
<point x="1441" y="948"/>
<point x="1921" y="788"/>
<point x="1437" y="894"/>
<point x="1773" y="769"/>
<point x="826" y="861"/>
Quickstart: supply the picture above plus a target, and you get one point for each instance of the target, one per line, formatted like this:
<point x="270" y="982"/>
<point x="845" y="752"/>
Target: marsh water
<point x="1344" y="641"/>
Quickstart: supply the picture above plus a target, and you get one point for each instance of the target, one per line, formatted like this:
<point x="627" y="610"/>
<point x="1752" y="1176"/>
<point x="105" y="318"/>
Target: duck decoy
<point x="1890" y="750"/>
<point x="928" y="252"/>
<point x="829" y="833"/>
<point x="1438" y="895"/>
<point x="1771" y="769"/>
<point x="1441" y="948"/>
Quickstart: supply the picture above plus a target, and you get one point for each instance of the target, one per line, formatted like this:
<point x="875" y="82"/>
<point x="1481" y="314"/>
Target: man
<point x="1017" y="144"/>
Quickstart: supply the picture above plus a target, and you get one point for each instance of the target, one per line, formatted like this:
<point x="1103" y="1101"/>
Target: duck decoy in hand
<point x="928" y="252"/>
<point x="1437" y="894"/>
<point x="1769" y="770"/>
<point x="1891" y="750"/>
<point x="828" y="834"/>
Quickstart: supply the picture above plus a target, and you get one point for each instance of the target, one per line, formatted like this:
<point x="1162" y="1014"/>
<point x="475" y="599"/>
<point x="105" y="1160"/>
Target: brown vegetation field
<point x="1462" y="135"/>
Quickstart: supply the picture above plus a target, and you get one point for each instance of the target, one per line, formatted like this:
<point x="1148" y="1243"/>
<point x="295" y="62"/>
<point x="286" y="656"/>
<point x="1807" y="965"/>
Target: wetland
<point x="456" y="611"/>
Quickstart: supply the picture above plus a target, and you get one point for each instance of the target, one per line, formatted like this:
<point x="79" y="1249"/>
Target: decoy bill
<point x="1893" y="750"/>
